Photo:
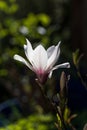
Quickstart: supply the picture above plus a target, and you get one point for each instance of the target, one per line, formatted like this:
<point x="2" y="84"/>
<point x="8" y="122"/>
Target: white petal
<point x="50" y="51"/>
<point x="54" y="57"/>
<point x="29" y="46"/>
<point x="64" y="65"/>
<point x="28" y="49"/>
<point x="25" y="50"/>
<point x="25" y="47"/>
<point x="39" y="57"/>
<point x="50" y="74"/>
<point x="21" y="59"/>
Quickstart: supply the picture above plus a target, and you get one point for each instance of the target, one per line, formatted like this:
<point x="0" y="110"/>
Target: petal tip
<point x="26" y="39"/>
<point x="68" y="65"/>
<point x="14" y="57"/>
<point x="17" y="57"/>
<point x="59" y="43"/>
<point x="25" y="46"/>
<point x="50" y="74"/>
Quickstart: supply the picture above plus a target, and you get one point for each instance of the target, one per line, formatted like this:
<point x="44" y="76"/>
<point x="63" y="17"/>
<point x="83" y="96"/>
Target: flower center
<point x="42" y="76"/>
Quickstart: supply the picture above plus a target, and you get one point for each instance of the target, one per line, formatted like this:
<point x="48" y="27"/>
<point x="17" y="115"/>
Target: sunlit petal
<point x="54" y="57"/>
<point x="39" y="57"/>
<point x="21" y="59"/>
<point x="50" y="74"/>
<point x="50" y="51"/>
<point x="25" y="50"/>
<point x="28" y="49"/>
<point x="29" y="46"/>
<point x="64" y="65"/>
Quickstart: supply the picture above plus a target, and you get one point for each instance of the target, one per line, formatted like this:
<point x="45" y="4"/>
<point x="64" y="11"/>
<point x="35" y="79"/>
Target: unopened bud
<point x="63" y="84"/>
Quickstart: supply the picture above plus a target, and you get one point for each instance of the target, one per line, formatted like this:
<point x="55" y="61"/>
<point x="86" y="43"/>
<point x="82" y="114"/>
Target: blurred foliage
<point x="80" y="120"/>
<point x="38" y="121"/>
<point x="32" y="122"/>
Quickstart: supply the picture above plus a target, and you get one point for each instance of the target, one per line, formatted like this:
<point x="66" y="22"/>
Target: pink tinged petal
<point x="42" y="77"/>
<point x="64" y="65"/>
<point x="21" y="59"/>
<point x="54" y="57"/>
<point x="39" y="58"/>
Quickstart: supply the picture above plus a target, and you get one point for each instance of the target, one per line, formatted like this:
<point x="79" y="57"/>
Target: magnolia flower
<point x="41" y="61"/>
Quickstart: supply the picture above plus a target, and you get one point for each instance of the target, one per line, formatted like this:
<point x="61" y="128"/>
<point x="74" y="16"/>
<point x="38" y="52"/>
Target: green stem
<point x="51" y="104"/>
